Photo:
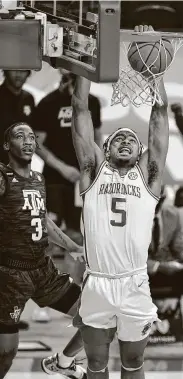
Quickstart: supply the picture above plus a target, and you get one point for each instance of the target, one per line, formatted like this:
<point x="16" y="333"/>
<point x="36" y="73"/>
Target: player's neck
<point x="121" y="169"/>
<point x="12" y="89"/>
<point x="20" y="169"/>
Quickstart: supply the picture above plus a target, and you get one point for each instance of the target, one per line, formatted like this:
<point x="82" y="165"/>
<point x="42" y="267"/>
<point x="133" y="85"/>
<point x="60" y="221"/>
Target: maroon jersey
<point x="23" y="233"/>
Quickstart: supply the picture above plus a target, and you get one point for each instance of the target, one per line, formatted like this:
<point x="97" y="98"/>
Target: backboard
<point x="20" y="44"/>
<point x="87" y="45"/>
<point x="90" y="45"/>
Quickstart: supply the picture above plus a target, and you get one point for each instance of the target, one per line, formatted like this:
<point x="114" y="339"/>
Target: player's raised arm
<point x="153" y="160"/>
<point x="88" y="153"/>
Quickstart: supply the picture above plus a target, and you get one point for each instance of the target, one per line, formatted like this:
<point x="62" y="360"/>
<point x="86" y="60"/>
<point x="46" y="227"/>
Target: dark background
<point x="162" y="14"/>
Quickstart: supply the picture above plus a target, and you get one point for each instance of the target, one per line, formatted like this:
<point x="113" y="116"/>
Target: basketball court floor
<point x="55" y="335"/>
<point x="43" y="339"/>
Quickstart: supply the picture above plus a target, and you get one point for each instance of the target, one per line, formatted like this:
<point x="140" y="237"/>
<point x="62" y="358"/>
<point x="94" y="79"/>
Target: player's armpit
<point x="150" y="170"/>
<point x="2" y="184"/>
<point x="153" y="172"/>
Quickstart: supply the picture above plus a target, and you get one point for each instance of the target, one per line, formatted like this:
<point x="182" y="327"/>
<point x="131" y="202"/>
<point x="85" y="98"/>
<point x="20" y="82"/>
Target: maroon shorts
<point x="45" y="286"/>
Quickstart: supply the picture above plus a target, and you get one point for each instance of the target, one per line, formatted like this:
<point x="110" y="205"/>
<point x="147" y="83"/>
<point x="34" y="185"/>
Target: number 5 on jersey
<point x="122" y="212"/>
<point x="36" y="222"/>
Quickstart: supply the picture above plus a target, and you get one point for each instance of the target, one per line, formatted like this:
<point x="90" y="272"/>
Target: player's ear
<point x="6" y="146"/>
<point x="107" y="155"/>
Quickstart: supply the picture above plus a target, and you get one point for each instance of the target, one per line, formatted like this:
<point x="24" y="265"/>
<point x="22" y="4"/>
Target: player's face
<point x="16" y="78"/>
<point x="124" y="148"/>
<point x="22" y="144"/>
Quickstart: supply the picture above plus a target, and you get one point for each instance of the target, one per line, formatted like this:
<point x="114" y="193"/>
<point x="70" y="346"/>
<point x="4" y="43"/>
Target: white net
<point x="140" y="88"/>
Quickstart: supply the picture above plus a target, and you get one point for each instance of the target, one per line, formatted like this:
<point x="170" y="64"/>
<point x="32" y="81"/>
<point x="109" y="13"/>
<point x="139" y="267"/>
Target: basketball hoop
<point x="140" y="88"/>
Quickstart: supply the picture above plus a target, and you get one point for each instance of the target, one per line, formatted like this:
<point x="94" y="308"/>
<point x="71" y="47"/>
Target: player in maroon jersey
<point x="25" y="269"/>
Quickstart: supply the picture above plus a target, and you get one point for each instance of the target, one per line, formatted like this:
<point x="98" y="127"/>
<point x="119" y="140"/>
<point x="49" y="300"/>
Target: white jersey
<point x="117" y="217"/>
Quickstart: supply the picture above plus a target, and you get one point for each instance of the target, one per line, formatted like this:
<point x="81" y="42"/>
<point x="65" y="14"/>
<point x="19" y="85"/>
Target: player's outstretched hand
<point x="176" y="108"/>
<point x="143" y="28"/>
<point x="78" y="255"/>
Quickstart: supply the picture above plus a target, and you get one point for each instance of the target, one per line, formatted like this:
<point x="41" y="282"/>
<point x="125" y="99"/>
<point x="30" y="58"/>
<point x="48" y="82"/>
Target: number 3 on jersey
<point x="36" y="222"/>
<point x="122" y="212"/>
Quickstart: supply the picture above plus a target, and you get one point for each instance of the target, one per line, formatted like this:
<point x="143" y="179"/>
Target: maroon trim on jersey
<point x="33" y="175"/>
<point x="84" y="235"/>
<point x="145" y="184"/>
<point x="98" y="173"/>
<point x="22" y="265"/>
<point x="9" y="329"/>
<point x="3" y="171"/>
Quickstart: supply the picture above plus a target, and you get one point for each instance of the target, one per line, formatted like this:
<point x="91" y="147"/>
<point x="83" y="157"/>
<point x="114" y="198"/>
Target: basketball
<point x="155" y="55"/>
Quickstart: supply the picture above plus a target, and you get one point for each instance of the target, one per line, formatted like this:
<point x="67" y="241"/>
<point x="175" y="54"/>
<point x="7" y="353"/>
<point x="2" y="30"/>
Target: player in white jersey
<point x="120" y="190"/>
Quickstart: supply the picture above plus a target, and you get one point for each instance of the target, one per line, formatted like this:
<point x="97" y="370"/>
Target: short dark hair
<point x="28" y="72"/>
<point x="8" y="132"/>
<point x="68" y="75"/>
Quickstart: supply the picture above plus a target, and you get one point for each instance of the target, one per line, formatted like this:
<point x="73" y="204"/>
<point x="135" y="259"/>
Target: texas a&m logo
<point x="15" y="315"/>
<point x="34" y="202"/>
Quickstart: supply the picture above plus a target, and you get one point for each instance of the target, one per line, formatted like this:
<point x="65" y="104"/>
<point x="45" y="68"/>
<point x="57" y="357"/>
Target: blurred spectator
<point x="165" y="261"/>
<point x="177" y="110"/>
<point x="178" y="202"/>
<point x="16" y="104"/>
<point x="53" y="123"/>
<point x="179" y="198"/>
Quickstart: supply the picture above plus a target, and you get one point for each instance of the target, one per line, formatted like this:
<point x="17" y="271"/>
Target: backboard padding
<point x="20" y="45"/>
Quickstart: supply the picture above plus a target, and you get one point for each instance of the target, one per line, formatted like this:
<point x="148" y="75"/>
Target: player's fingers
<point x="151" y="29"/>
<point x="146" y="28"/>
<point x="81" y="259"/>
<point x="141" y="28"/>
<point x="77" y="256"/>
<point x="74" y="256"/>
<point x="136" y="29"/>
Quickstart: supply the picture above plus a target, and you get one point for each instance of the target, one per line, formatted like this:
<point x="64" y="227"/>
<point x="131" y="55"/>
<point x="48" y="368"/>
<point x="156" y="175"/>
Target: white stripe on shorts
<point x="116" y="276"/>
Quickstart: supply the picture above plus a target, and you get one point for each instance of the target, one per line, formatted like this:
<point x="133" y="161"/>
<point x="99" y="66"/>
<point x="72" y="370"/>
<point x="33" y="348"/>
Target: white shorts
<point x="122" y="303"/>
